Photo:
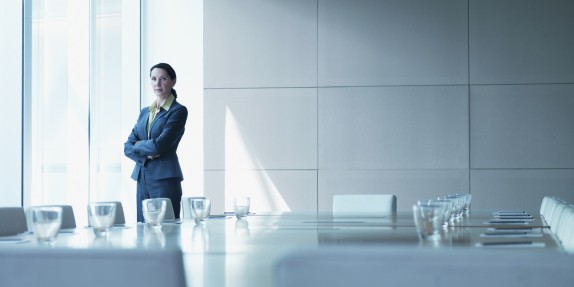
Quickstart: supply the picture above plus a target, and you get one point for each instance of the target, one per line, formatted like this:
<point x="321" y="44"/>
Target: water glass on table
<point x="200" y="209"/>
<point x="448" y="208"/>
<point x="241" y="206"/>
<point x="46" y="222"/>
<point x="429" y="219"/>
<point x="188" y="214"/>
<point x="153" y="210"/>
<point x="101" y="216"/>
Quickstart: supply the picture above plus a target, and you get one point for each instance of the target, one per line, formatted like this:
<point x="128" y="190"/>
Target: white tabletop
<point x="229" y="252"/>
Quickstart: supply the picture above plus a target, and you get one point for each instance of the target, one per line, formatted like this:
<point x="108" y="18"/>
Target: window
<point x="86" y="80"/>
<point x="77" y="107"/>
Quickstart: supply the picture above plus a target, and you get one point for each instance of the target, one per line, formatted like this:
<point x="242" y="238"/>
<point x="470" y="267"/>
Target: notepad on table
<point x="511" y="244"/>
<point x="510" y="234"/>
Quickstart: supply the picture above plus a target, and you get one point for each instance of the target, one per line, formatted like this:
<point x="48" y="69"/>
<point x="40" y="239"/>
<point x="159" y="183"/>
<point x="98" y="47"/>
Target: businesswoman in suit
<point x="153" y="142"/>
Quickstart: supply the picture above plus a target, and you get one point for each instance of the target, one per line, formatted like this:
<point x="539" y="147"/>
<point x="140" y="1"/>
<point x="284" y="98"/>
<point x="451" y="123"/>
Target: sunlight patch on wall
<point x="244" y="173"/>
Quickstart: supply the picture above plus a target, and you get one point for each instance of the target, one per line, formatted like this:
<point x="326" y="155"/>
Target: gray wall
<point x="417" y="98"/>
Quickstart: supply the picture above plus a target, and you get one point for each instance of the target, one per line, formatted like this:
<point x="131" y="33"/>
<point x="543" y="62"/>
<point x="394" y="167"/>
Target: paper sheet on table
<point x="13" y="239"/>
<point x="503" y="244"/>
<point x="515" y="229"/>
<point x="510" y="213"/>
<point x="511" y="219"/>
<point x="510" y="235"/>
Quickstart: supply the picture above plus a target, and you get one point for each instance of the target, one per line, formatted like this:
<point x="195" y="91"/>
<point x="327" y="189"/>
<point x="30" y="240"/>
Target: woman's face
<point x="161" y="83"/>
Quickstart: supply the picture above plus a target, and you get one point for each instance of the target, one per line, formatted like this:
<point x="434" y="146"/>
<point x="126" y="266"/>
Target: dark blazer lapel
<point x="142" y="126"/>
<point x="162" y="113"/>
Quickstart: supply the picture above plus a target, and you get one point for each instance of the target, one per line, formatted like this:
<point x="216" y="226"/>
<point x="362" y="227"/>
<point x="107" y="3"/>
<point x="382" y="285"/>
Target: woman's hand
<point x="153" y="157"/>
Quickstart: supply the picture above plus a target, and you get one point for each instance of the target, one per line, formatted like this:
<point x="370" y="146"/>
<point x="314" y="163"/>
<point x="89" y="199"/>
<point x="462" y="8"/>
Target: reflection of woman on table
<point x="153" y="142"/>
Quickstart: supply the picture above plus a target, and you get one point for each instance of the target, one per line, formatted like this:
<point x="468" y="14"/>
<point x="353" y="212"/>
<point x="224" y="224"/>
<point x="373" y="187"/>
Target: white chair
<point x="169" y="213"/>
<point x="120" y="216"/>
<point x="363" y="266"/>
<point x="12" y="221"/>
<point x="565" y="229"/>
<point x="364" y="205"/>
<point x="549" y="209"/>
<point x="68" y="217"/>
<point x="110" y="267"/>
<point x="544" y="205"/>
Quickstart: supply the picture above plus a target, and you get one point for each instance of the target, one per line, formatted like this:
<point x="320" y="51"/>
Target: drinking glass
<point x="188" y="213"/>
<point x="46" y="222"/>
<point x="241" y="206"/>
<point x="200" y="209"/>
<point x="447" y="209"/>
<point x="467" y="201"/>
<point x="429" y="220"/>
<point x="154" y="212"/>
<point x="101" y="216"/>
<point x="458" y="205"/>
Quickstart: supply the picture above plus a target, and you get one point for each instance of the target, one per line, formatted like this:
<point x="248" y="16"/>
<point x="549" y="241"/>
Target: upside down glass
<point x="46" y="222"/>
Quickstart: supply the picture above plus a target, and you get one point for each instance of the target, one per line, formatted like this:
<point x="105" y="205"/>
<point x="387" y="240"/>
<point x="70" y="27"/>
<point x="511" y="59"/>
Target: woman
<point x="153" y="142"/>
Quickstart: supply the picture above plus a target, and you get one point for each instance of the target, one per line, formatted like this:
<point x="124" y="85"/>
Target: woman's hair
<point x="170" y="71"/>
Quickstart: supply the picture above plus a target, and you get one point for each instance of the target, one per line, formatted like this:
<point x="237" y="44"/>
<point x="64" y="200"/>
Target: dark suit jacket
<point x="165" y="133"/>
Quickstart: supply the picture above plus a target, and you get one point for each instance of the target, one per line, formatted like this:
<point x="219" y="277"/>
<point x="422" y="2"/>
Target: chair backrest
<point x="364" y="205"/>
<point x="549" y="208"/>
<point x="91" y="267"/>
<point x="120" y="216"/>
<point x="565" y="229"/>
<point x="68" y="217"/>
<point x="12" y="221"/>
<point x="169" y="213"/>
<point x="374" y="266"/>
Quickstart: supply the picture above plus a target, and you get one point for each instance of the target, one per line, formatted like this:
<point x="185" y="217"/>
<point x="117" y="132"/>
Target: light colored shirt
<point x="153" y="111"/>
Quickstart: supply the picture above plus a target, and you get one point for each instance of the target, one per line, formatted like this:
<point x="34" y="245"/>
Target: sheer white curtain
<point x="77" y="101"/>
<point x="88" y="63"/>
<point x="11" y="116"/>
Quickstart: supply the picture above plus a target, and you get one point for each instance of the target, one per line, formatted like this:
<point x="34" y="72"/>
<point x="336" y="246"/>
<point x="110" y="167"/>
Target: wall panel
<point x="519" y="189"/>
<point x="392" y="42"/>
<point x="270" y="190"/>
<point x="521" y="41"/>
<point x="418" y="127"/>
<point x="522" y="126"/>
<point x="417" y="98"/>
<point x="260" y="43"/>
<point x="260" y="129"/>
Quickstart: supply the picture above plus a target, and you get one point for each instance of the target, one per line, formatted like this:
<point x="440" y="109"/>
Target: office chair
<point x="364" y="205"/>
<point x="95" y="267"/>
<point x="68" y="217"/>
<point x="12" y="221"/>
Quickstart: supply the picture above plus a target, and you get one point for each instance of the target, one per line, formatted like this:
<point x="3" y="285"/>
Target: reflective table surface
<point x="225" y="251"/>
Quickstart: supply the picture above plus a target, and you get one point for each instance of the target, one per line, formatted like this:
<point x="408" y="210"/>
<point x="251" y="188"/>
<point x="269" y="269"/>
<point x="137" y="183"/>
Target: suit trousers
<point x="154" y="188"/>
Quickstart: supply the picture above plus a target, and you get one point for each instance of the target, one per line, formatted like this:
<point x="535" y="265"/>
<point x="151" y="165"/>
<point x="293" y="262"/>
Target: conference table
<point x="225" y="251"/>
